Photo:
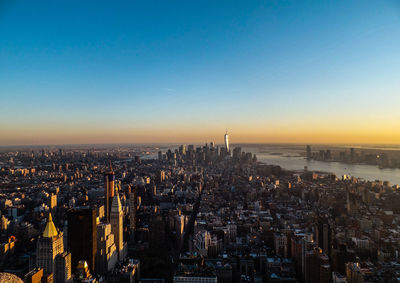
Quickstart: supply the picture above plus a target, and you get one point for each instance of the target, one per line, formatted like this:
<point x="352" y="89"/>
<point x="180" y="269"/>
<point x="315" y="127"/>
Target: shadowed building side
<point x="82" y="236"/>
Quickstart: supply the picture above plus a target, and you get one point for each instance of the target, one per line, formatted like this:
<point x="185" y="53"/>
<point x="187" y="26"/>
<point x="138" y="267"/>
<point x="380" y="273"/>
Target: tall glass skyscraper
<point x="226" y="139"/>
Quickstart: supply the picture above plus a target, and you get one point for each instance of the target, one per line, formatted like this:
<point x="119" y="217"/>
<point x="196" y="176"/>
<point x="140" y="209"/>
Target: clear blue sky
<point x="70" y="70"/>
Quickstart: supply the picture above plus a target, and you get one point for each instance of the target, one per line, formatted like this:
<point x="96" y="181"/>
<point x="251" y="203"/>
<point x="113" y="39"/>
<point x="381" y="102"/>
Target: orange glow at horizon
<point x="280" y="133"/>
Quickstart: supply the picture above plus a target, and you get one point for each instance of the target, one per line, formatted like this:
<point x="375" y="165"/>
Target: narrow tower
<point x="226" y="139"/>
<point x="109" y="179"/>
<point x="116" y="219"/>
<point x="132" y="214"/>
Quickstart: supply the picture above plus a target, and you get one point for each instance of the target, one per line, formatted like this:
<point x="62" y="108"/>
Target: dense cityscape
<point x="190" y="214"/>
<point x="199" y="141"/>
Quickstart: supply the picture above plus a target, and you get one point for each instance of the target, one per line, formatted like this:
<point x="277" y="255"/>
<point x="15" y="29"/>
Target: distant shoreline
<point x="394" y="147"/>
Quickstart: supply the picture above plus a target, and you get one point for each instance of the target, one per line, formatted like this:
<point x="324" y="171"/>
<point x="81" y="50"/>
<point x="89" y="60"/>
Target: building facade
<point x="82" y="236"/>
<point x="49" y="245"/>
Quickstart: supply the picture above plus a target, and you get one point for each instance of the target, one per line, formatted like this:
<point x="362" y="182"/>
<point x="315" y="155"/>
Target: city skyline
<point x="204" y="206"/>
<point x="176" y="72"/>
<point x="199" y="141"/>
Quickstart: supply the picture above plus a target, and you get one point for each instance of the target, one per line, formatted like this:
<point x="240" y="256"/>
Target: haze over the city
<point x="199" y="141"/>
<point x="165" y="71"/>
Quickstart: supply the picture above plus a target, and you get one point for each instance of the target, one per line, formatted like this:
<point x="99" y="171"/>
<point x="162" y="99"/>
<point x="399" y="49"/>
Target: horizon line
<point x="200" y="143"/>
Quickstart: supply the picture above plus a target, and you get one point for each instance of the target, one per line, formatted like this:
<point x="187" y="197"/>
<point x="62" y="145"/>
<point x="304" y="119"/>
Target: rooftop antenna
<point x="110" y="165"/>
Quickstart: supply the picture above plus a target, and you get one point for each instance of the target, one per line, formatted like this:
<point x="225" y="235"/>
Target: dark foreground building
<point x="82" y="236"/>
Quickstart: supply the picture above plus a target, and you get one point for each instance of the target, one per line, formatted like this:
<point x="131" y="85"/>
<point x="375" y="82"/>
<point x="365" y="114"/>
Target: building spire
<point x="226" y="140"/>
<point x="50" y="230"/>
<point x="116" y="202"/>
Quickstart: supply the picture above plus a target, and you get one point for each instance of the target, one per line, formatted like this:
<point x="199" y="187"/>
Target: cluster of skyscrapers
<point x="93" y="243"/>
<point x="205" y="213"/>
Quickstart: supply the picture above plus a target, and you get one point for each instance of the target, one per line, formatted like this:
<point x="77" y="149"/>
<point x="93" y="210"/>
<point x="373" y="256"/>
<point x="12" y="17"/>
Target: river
<point x="289" y="158"/>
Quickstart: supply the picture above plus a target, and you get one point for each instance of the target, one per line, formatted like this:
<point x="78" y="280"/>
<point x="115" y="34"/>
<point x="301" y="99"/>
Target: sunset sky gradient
<point x="183" y="71"/>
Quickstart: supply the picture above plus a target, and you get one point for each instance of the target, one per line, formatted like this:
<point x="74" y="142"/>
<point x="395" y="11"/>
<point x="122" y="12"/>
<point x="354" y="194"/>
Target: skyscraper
<point x="52" y="202"/>
<point x="109" y="179"/>
<point x="308" y="152"/>
<point x="179" y="228"/>
<point x="182" y="149"/>
<point x="107" y="256"/>
<point x="116" y="219"/>
<point x="49" y="245"/>
<point x="226" y="139"/>
<point x="82" y="236"/>
<point x="132" y="214"/>
<point x="323" y="235"/>
<point x="237" y="153"/>
<point x="63" y="268"/>
<point x="317" y="268"/>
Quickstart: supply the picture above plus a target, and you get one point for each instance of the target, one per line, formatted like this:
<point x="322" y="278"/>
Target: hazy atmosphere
<point x="199" y="141"/>
<point x="172" y="71"/>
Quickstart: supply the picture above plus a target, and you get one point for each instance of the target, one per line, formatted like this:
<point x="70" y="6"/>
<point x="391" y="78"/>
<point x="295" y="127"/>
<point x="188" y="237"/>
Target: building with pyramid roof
<point x="50" y="230"/>
<point x="116" y="219"/>
<point x="49" y="245"/>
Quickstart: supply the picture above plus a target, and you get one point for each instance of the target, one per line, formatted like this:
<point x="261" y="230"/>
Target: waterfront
<point x="290" y="157"/>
